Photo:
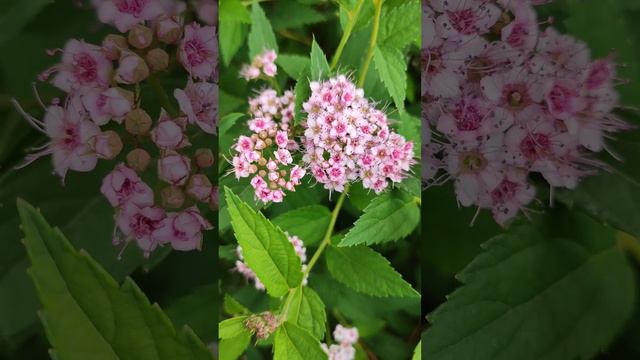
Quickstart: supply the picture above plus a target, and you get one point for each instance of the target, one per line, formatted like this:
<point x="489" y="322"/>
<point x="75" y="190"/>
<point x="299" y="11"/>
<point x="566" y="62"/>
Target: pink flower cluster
<point x="101" y="118"/>
<point x="266" y="155"/>
<point x="244" y="269"/>
<point x="347" y="139"/>
<point x="507" y="99"/>
<point x="344" y="350"/>
<point x="263" y="64"/>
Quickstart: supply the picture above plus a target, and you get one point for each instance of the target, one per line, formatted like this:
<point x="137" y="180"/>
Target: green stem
<point x="164" y="97"/>
<point x="353" y="18"/>
<point x="372" y="43"/>
<point x="272" y="80"/>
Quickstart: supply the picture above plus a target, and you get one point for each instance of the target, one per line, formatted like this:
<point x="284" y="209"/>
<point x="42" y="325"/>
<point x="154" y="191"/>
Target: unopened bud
<point x="172" y="197"/>
<point x="199" y="187"/>
<point x="157" y="59"/>
<point x="107" y="145"/>
<point x="214" y="199"/>
<point x="204" y="158"/>
<point x="140" y="36"/>
<point x="262" y="161"/>
<point x="138" y="122"/>
<point x="132" y="69"/>
<point x="253" y="168"/>
<point x="167" y="29"/>
<point x="268" y="141"/>
<point x="113" y="45"/>
<point x="138" y="159"/>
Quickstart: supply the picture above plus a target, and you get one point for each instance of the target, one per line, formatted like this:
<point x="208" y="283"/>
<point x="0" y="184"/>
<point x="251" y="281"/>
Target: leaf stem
<point x="372" y="43"/>
<point x="353" y="18"/>
<point x="164" y="97"/>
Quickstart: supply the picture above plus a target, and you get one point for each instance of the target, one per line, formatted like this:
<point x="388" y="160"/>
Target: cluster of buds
<point x="102" y="118"/>
<point x="345" y="338"/>
<point x="244" y="269"/>
<point x="508" y="99"/>
<point x="263" y="64"/>
<point x="262" y="325"/>
<point x="281" y="108"/>
<point x="347" y="139"/>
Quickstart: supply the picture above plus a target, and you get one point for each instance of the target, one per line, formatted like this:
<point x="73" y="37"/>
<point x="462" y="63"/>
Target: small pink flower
<point x="270" y="69"/>
<point x="84" y="66"/>
<point x="199" y="102"/>
<point x="125" y="14"/>
<point x="183" y="230"/>
<point x="249" y="72"/>
<point x="168" y="29"/>
<point x="132" y="70"/>
<point x="104" y="105"/>
<point x="168" y="134"/>
<point x="199" y="187"/>
<point x="174" y="169"/>
<point x="198" y="51"/>
<point x="123" y="185"/>
<point x="207" y="11"/>
<point x="142" y="224"/>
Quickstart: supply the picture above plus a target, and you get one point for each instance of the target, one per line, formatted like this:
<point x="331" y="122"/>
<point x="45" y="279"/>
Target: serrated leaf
<point x="417" y="352"/>
<point x="319" y="65"/>
<point x="261" y="36"/>
<point x="244" y="190"/>
<point x="291" y="15"/>
<point x="15" y="14"/>
<point x="234" y="307"/>
<point x="401" y="25"/>
<point x="366" y="271"/>
<point x="294" y="343"/>
<point x="232" y="327"/>
<point x="307" y="311"/>
<point x="232" y="348"/>
<point x="294" y="65"/>
<point x="227" y="122"/>
<point x="308" y="223"/>
<point x="196" y="310"/>
<point x="535" y="296"/>
<point x="392" y="69"/>
<point x="265" y="247"/>
<point x="86" y="315"/>
<point x="389" y="217"/>
<point x="302" y="92"/>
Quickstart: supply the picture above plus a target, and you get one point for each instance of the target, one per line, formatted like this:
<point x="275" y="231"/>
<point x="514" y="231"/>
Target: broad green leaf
<point x="233" y="10"/>
<point x="244" y="190"/>
<point x="197" y="310"/>
<point x="559" y="294"/>
<point x="302" y="92"/>
<point x="228" y="102"/>
<point x="232" y="348"/>
<point x="86" y="314"/>
<point x="261" y="36"/>
<point x="294" y="343"/>
<point x="291" y="14"/>
<point x="294" y="65"/>
<point x="389" y="217"/>
<point x="265" y="247"/>
<point x="366" y="271"/>
<point x="392" y="68"/>
<point x="233" y="306"/>
<point x="319" y="64"/>
<point x="231" y="327"/>
<point x="417" y="352"/>
<point x="15" y="14"/>
<point x="227" y="122"/>
<point x="307" y="311"/>
<point x="232" y="36"/>
<point x="308" y="223"/>
<point x="401" y="25"/>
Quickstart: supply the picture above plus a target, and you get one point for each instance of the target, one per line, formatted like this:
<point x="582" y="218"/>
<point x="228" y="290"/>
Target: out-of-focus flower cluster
<point x="347" y="139"/>
<point x="345" y="338"/>
<point x="102" y="118"/>
<point x="263" y="64"/>
<point x="244" y="269"/>
<point x="508" y="99"/>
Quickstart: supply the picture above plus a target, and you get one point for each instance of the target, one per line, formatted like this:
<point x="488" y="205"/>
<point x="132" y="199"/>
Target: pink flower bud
<point x="123" y="185"/>
<point x="138" y="159"/>
<point x="204" y="158"/>
<point x="157" y="59"/>
<point x="114" y="103"/>
<point x="168" y="29"/>
<point x="132" y="69"/>
<point x="183" y="230"/>
<point x="172" y="197"/>
<point x="174" y="169"/>
<point x="167" y="134"/>
<point x="140" y="36"/>
<point x="214" y="200"/>
<point x="270" y="69"/>
<point x="113" y="45"/>
<point x="199" y="187"/>
<point x="138" y="122"/>
<point x="106" y="145"/>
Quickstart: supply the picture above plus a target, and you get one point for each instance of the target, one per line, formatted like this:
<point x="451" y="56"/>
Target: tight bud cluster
<point x="263" y="64"/>
<point x="506" y="99"/>
<point x="102" y="118"/>
<point x="344" y="350"/>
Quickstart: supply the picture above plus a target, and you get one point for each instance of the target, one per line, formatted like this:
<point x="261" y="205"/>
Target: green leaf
<point x="228" y="102"/>
<point x="231" y="327"/>
<point x="319" y="64"/>
<point x="86" y="314"/>
<point x="294" y="65"/>
<point x="536" y="296"/>
<point x="307" y="311"/>
<point x="302" y="92"/>
<point x="366" y="271"/>
<point x="401" y="25"/>
<point x="234" y="307"/>
<point x="417" y="352"/>
<point x="389" y="217"/>
<point x="291" y="15"/>
<point x="195" y="310"/>
<point x="261" y="36"/>
<point x="410" y="127"/>
<point x="15" y="14"/>
<point x="392" y="68"/>
<point x="265" y="247"/>
<point x="294" y="343"/>
<point x="308" y="223"/>
<point x="232" y="348"/>
<point x="233" y="17"/>
<point x="227" y="122"/>
<point x="244" y="190"/>
<point x="233" y="10"/>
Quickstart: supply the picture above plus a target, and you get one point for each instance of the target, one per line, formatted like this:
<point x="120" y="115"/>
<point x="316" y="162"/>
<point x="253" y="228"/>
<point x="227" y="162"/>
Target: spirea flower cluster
<point x="159" y="180"/>
<point x="508" y="99"/>
<point x="347" y="139"/>
<point x="244" y="269"/>
<point x="345" y="338"/>
<point x="263" y="64"/>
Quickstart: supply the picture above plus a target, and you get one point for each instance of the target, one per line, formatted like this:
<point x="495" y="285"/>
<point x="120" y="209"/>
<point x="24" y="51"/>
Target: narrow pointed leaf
<point x="319" y="64"/>
<point x="392" y="69"/>
<point x="261" y="36"/>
